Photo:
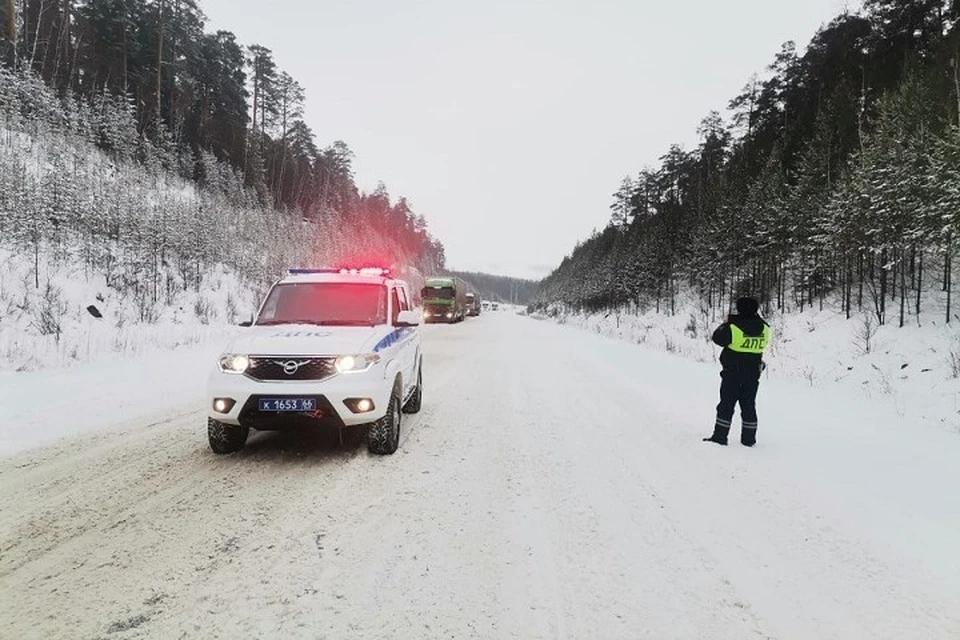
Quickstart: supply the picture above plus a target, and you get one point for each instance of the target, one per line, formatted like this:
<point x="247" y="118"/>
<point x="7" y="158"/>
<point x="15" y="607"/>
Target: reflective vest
<point x="748" y="344"/>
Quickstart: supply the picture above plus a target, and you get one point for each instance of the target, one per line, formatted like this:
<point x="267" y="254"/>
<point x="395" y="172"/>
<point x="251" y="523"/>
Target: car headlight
<point x="234" y="363"/>
<point x="356" y="363"/>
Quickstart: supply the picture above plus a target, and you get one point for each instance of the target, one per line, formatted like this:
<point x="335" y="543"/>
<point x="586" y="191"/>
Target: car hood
<point x="298" y="339"/>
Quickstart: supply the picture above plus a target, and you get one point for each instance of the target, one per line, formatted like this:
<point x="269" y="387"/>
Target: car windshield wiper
<point x="347" y="323"/>
<point x="321" y="323"/>
<point x="267" y="323"/>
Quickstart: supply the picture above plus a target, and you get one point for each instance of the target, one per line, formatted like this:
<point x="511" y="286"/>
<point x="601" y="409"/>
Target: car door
<point x="403" y="347"/>
<point x="412" y="340"/>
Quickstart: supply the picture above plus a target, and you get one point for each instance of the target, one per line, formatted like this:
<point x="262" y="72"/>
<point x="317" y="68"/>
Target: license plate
<point x="288" y="404"/>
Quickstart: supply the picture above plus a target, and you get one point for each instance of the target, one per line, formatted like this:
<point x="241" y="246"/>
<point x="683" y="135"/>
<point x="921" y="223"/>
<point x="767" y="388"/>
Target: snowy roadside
<point x="50" y="327"/>
<point x="41" y="407"/>
<point x="64" y="371"/>
<point x="913" y="371"/>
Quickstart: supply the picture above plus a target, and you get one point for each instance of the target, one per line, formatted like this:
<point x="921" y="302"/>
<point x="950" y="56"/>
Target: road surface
<point x="554" y="486"/>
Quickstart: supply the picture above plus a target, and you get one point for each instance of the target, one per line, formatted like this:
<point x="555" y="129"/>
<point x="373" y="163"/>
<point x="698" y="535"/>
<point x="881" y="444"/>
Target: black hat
<point x="748" y="306"/>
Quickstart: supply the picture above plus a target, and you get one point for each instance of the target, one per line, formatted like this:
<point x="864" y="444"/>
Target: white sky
<point x="509" y="123"/>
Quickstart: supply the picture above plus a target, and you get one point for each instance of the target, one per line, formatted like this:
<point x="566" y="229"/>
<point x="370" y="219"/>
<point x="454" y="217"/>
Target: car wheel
<point x="416" y="399"/>
<point x="226" y="438"/>
<point x="383" y="438"/>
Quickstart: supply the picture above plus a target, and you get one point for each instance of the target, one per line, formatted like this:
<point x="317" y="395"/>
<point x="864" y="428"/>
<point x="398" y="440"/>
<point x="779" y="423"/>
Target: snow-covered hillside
<point x="93" y="213"/>
<point x="51" y="326"/>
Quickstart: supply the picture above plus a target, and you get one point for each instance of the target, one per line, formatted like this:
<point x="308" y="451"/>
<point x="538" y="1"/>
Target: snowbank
<point x="50" y="326"/>
<point x="915" y="370"/>
<point x="42" y="407"/>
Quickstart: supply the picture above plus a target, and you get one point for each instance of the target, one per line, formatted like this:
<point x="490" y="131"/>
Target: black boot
<point x="719" y="435"/>
<point x="748" y="435"/>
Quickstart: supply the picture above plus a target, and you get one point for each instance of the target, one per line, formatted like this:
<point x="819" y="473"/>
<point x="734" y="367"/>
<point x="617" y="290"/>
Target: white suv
<point x="329" y="348"/>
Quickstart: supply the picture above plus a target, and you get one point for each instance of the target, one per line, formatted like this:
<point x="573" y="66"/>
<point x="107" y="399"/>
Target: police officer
<point x="744" y="337"/>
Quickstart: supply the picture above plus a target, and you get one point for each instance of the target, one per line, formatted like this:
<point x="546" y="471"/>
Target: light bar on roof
<point x="363" y="271"/>
<point x="366" y="271"/>
<point x="299" y="271"/>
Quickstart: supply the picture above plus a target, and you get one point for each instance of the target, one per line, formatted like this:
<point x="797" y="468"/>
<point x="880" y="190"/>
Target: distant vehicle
<point x="495" y="306"/>
<point x="473" y="304"/>
<point x="444" y="299"/>
<point x="330" y="347"/>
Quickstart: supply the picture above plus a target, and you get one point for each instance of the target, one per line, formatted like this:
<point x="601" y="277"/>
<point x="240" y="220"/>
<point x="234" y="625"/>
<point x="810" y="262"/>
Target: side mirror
<point x="408" y="319"/>
<point x="246" y="323"/>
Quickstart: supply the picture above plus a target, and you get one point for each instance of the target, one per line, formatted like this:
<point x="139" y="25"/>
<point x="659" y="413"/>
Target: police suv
<point x="329" y="348"/>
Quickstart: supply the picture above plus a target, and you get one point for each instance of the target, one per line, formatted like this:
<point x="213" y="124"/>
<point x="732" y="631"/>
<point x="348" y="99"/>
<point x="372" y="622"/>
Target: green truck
<point x="444" y="299"/>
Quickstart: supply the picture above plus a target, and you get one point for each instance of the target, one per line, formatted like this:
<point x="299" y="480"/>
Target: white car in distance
<point x="329" y="348"/>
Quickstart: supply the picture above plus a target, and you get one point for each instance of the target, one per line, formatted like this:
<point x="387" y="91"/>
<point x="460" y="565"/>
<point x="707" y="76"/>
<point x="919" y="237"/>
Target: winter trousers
<point x="738" y="388"/>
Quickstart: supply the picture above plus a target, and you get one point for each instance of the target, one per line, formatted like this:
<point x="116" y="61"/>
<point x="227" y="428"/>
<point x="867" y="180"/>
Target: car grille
<point x="290" y="368"/>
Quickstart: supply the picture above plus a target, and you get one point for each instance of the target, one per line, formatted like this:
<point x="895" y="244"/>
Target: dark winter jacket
<point x="747" y="364"/>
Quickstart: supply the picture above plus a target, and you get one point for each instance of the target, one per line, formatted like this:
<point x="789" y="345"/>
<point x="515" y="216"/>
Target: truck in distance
<point x="444" y="299"/>
<point x="474" y="304"/>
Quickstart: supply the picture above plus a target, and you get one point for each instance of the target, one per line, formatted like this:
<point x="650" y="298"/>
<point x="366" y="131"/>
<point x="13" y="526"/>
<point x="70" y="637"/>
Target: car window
<point x="395" y="304"/>
<point x="404" y="303"/>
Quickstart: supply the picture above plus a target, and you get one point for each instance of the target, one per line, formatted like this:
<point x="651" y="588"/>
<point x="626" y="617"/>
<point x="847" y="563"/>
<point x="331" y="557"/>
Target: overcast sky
<point x="509" y="123"/>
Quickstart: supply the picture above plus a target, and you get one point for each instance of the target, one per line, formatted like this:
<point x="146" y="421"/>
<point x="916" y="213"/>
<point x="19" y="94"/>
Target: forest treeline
<point x="835" y="179"/>
<point x="500" y="288"/>
<point x="145" y="82"/>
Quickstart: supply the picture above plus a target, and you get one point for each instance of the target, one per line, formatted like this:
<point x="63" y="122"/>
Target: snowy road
<point x="554" y="486"/>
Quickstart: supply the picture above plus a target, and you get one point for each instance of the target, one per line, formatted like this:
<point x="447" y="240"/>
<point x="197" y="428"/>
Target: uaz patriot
<point x="329" y="348"/>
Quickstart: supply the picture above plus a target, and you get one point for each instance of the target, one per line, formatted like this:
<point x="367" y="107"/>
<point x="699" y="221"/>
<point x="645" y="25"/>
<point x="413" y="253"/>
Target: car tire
<point x="416" y="398"/>
<point x="226" y="438"/>
<point x="383" y="437"/>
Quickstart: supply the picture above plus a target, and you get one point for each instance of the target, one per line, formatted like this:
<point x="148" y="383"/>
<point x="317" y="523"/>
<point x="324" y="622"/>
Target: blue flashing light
<point x="300" y="271"/>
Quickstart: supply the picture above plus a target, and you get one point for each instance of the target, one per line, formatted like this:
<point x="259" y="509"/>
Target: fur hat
<point x="748" y="306"/>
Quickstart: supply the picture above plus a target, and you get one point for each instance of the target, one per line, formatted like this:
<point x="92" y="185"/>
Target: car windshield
<point x="325" y="303"/>
<point x="437" y="292"/>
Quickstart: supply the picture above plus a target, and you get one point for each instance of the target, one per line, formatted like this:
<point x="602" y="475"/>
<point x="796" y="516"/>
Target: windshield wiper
<point x="321" y="323"/>
<point x="348" y="323"/>
<point x="267" y="323"/>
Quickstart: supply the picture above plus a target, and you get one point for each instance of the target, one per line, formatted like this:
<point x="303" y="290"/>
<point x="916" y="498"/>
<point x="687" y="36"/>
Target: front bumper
<point x="431" y="316"/>
<point x="330" y="395"/>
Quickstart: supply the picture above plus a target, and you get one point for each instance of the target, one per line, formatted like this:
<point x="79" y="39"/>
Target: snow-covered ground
<point x="49" y="328"/>
<point x="554" y="486"/>
<point x="912" y="371"/>
<point x="44" y="406"/>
